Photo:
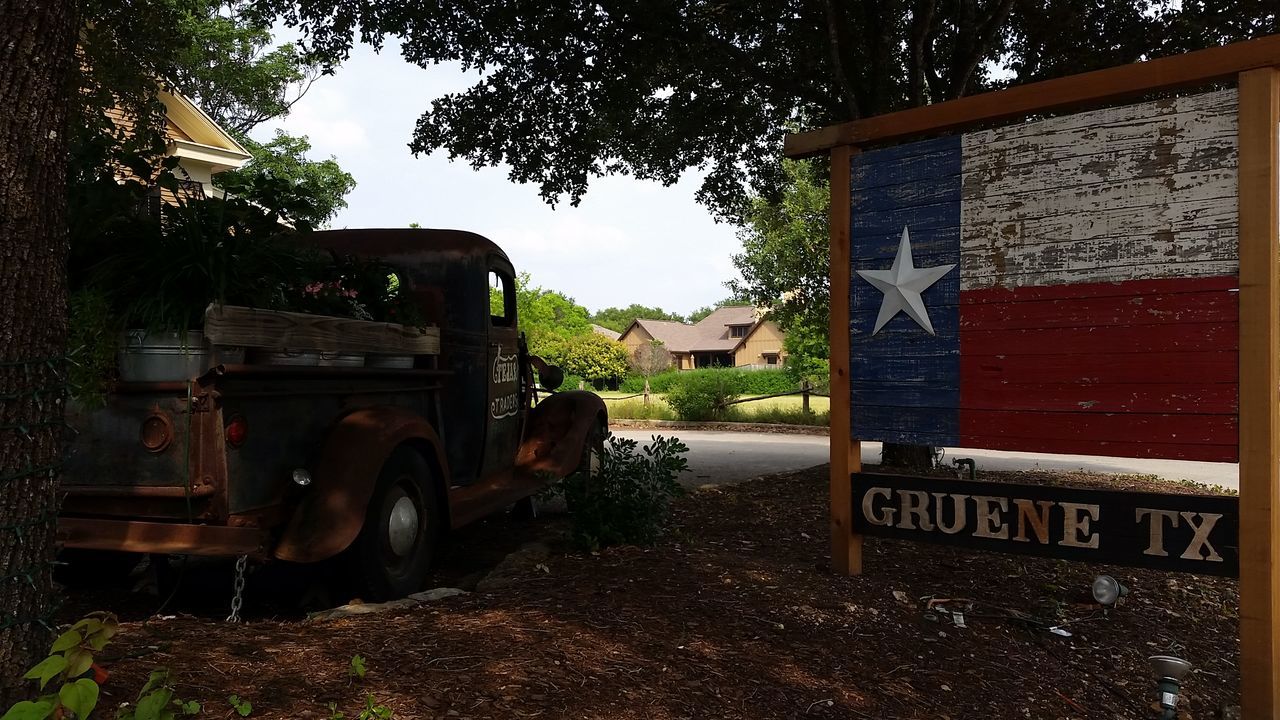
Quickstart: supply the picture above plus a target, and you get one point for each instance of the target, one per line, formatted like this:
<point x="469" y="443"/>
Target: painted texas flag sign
<point x="1065" y="285"/>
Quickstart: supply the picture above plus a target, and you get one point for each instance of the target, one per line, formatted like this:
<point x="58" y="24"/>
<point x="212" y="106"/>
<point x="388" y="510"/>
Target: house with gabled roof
<point x="202" y="147"/>
<point x="732" y="336"/>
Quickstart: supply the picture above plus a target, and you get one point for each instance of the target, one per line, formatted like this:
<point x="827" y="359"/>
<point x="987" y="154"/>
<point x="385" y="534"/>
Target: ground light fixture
<point x="1169" y="672"/>
<point x="1107" y="590"/>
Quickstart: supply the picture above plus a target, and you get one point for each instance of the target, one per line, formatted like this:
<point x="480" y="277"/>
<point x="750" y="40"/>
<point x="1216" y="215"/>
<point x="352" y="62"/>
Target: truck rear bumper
<point x="155" y="537"/>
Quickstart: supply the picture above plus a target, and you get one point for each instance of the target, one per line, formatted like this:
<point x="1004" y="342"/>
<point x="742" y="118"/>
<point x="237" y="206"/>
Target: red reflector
<point x="237" y="431"/>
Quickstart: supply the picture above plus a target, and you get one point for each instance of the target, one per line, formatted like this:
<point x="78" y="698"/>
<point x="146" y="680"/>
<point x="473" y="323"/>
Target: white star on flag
<point x="902" y="284"/>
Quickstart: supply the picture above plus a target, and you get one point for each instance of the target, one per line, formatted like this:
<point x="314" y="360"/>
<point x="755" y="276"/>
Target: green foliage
<point x="70" y="657"/>
<point x="619" y="319"/>
<point x="742" y="382"/>
<point x="356" y="667"/>
<point x="93" y="336"/>
<point x="546" y="317"/>
<point x="658" y="383"/>
<point x="284" y="157"/>
<point x="784" y="258"/>
<point x="702" y="394"/>
<point x="158" y="700"/>
<point x="373" y="710"/>
<point x="570" y="93"/>
<point x="808" y="347"/>
<point x="243" y="707"/>
<point x="626" y="501"/>
<point x="589" y="356"/>
<point x="226" y="251"/>
<point x="228" y="67"/>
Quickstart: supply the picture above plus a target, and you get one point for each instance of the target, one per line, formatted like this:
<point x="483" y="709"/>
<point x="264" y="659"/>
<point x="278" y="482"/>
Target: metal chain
<point x="237" y="600"/>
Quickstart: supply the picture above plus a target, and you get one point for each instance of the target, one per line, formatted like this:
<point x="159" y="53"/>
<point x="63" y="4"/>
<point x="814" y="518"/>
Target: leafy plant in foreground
<point x="626" y="501"/>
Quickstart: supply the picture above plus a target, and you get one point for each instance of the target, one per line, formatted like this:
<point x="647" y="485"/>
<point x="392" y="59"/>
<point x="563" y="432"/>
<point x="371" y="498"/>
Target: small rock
<point x="434" y="594"/>
<point x="1231" y="712"/>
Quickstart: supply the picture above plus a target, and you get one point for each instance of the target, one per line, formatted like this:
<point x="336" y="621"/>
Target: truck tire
<point x="402" y="528"/>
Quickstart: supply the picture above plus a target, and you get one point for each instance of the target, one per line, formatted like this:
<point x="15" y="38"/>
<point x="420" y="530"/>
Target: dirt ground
<point x="732" y="615"/>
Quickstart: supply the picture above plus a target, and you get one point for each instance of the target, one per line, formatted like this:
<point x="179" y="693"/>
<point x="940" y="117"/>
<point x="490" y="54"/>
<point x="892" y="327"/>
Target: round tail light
<point x="237" y="430"/>
<point x="157" y="432"/>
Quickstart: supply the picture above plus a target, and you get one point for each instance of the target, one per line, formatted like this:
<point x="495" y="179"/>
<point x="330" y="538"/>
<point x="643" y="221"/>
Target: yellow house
<point x="734" y="336"/>
<point x="202" y="147"/>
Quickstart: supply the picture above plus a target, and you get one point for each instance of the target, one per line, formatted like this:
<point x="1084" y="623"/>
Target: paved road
<point x="729" y="457"/>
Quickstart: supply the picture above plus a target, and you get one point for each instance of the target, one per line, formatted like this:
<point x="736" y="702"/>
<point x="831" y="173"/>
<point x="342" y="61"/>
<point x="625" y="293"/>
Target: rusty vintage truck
<point x="366" y="464"/>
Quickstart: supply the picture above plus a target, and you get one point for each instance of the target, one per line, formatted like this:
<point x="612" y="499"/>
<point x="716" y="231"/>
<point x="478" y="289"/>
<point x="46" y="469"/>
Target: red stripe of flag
<point x="1146" y="367"/>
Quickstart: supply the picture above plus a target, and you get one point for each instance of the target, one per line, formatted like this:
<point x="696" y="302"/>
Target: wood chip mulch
<point x="732" y="615"/>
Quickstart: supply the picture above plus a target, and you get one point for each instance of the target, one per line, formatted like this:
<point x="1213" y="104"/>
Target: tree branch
<point x="837" y="61"/>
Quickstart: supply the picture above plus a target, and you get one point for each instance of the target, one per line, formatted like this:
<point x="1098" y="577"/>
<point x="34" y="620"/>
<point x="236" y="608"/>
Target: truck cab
<point x="307" y="463"/>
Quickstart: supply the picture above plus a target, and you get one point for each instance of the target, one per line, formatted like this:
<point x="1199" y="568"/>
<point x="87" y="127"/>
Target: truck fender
<point x="331" y="513"/>
<point x="557" y="432"/>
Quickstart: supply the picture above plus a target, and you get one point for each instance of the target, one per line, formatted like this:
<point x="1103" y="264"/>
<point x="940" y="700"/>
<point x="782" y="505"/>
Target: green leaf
<point x="357" y="667"/>
<point x="153" y="705"/>
<point x="158" y="677"/>
<point x="66" y="641"/>
<point x="190" y="707"/>
<point x="79" y="697"/>
<point x="88" y="626"/>
<point x="47" y="669"/>
<point x="243" y="707"/>
<point x="78" y="661"/>
<point x="27" y="710"/>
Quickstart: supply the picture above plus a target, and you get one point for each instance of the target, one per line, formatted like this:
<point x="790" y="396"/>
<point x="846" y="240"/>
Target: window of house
<point x="770" y="359"/>
<point x="737" y="331"/>
<point x="502" y="299"/>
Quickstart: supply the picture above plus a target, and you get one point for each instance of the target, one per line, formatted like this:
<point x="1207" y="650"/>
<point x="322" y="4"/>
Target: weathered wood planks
<point x="236" y="326"/>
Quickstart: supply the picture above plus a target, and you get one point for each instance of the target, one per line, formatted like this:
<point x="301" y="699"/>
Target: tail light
<point x="157" y="432"/>
<point x="237" y="430"/>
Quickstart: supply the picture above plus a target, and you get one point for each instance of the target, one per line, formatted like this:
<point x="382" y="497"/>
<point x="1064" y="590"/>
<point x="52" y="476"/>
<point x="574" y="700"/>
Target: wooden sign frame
<point x="1255" y="67"/>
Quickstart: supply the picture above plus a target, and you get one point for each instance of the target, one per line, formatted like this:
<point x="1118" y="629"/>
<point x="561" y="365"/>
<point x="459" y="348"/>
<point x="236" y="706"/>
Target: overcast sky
<point x="627" y="242"/>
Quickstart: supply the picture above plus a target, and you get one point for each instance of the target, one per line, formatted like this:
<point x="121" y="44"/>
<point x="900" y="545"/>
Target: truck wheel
<point x="402" y="527"/>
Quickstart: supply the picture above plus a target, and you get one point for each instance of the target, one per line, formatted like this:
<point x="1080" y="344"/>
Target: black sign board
<point x="1187" y="533"/>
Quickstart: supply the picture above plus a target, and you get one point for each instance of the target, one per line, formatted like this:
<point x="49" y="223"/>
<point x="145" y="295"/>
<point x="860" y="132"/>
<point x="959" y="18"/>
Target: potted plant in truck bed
<point x="163" y="272"/>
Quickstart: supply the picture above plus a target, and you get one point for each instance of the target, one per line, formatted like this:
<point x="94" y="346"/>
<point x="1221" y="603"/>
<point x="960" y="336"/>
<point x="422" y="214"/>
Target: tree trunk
<point x="37" y="55"/>
<point x="914" y="457"/>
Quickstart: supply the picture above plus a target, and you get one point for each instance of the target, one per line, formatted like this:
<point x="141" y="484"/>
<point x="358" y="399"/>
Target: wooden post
<point x="846" y="453"/>
<point x="1259" y="394"/>
<point x="804" y="397"/>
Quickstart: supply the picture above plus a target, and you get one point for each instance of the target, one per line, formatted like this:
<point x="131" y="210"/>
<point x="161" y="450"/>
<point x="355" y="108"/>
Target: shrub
<point x="702" y="394"/>
<point x="764" y="382"/>
<point x="744" y="382"/>
<point x="626" y="501"/>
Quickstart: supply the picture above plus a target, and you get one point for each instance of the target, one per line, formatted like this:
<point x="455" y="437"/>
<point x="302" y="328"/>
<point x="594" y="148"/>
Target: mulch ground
<point x="732" y="615"/>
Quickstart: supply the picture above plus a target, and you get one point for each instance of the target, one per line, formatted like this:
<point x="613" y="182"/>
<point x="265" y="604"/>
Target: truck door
<point x="503" y="416"/>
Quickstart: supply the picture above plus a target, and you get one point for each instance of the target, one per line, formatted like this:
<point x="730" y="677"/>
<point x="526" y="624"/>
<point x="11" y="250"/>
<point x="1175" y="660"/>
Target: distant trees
<point x="618" y="319"/>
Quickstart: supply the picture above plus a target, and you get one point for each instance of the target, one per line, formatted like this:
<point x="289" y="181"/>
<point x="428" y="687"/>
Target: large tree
<point x="572" y="91"/>
<point x="37" y="44"/>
